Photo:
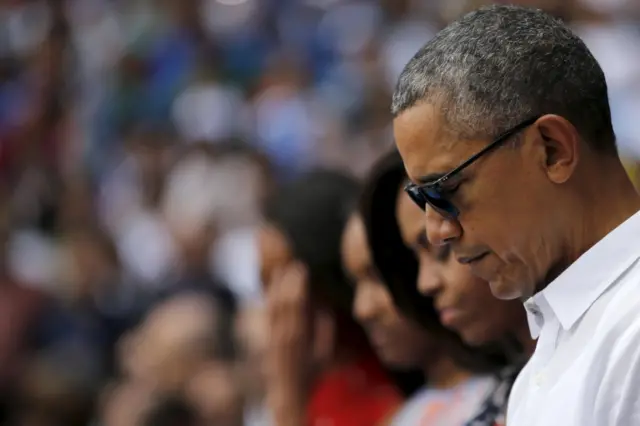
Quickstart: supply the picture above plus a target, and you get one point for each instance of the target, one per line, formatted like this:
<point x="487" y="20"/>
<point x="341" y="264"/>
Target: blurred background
<point x="138" y="139"/>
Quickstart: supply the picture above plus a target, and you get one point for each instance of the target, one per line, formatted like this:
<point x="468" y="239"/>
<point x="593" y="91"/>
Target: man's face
<point x="504" y="222"/>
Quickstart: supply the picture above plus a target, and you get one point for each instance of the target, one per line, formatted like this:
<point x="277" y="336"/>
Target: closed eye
<point x="449" y="189"/>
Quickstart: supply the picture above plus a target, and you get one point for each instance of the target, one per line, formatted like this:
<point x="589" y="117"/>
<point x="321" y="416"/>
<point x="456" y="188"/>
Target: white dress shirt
<point x="586" y="367"/>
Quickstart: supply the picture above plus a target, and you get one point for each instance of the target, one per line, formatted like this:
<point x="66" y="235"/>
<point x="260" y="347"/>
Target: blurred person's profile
<point x="453" y="392"/>
<point x="319" y="363"/>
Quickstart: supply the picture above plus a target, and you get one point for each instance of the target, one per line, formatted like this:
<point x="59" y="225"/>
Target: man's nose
<point x="441" y="230"/>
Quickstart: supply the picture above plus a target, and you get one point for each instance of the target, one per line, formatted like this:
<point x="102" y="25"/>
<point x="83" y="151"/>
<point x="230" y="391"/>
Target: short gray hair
<point x="500" y="65"/>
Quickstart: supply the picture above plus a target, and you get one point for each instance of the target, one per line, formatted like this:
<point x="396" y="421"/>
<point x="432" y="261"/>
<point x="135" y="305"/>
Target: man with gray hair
<point x="504" y="126"/>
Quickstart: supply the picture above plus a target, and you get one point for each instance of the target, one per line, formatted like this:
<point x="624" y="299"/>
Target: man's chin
<point x="504" y="290"/>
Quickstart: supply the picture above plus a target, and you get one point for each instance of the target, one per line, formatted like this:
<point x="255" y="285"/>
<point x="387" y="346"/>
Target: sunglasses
<point x="437" y="195"/>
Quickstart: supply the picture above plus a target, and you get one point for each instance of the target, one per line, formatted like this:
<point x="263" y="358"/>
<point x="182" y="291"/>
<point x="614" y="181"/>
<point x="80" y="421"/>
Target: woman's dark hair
<point x="312" y="212"/>
<point x="398" y="265"/>
<point x="395" y="261"/>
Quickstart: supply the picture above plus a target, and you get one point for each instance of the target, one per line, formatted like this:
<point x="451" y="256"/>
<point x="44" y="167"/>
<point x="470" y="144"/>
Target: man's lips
<point x="466" y="260"/>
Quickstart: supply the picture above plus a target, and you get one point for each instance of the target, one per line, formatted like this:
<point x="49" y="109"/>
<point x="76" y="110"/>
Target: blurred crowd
<point x="139" y="140"/>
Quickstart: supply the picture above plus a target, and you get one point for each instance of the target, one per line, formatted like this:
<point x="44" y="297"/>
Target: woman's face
<point x="398" y="341"/>
<point x="464" y="302"/>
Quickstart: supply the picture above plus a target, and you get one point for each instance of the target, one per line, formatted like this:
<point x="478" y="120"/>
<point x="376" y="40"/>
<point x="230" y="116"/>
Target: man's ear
<point x="560" y="146"/>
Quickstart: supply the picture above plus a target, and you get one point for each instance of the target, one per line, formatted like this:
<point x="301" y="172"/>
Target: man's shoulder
<point x="610" y="329"/>
<point x="627" y="295"/>
<point x="618" y="313"/>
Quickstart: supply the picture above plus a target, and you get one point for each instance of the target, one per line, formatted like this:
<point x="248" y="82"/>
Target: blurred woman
<point x="453" y="393"/>
<point x="320" y="366"/>
<point x="461" y="302"/>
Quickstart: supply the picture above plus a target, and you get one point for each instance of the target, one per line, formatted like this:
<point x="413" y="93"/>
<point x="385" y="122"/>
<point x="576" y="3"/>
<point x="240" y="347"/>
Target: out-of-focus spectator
<point x="217" y="190"/>
<point x="20" y="310"/>
<point x="59" y="388"/>
<point x="94" y="303"/>
<point x="183" y="355"/>
<point x="209" y="109"/>
<point x="320" y="366"/>
<point x="285" y="117"/>
<point x="131" y="200"/>
<point x="174" y="340"/>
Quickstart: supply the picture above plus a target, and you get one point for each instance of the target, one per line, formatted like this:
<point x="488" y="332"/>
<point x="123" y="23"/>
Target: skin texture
<point x="464" y="302"/>
<point x="398" y="341"/>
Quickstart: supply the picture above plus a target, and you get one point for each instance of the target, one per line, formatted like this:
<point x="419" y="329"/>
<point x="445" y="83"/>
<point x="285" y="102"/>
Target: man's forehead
<point x="427" y="148"/>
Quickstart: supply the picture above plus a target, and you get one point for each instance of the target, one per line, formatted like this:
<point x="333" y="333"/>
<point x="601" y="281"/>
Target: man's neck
<point x="608" y="202"/>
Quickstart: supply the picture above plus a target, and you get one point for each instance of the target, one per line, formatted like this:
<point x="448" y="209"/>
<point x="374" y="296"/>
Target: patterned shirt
<point x="444" y="407"/>
<point x="493" y="411"/>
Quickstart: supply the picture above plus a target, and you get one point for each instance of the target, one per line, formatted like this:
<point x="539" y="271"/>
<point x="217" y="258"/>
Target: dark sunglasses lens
<point x="440" y="203"/>
<point x="416" y="196"/>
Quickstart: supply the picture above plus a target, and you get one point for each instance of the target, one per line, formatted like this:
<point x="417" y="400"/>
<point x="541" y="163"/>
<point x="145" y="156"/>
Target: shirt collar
<point x="573" y="292"/>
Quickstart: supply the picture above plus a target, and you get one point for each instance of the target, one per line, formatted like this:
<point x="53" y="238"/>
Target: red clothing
<point x="360" y="394"/>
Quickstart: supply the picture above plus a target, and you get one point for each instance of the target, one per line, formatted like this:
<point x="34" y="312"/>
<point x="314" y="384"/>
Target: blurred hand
<point x="289" y="346"/>
<point x="251" y="331"/>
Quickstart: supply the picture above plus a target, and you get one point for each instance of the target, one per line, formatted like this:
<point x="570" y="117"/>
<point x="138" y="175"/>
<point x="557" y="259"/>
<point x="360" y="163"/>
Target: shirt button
<point x="538" y="379"/>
